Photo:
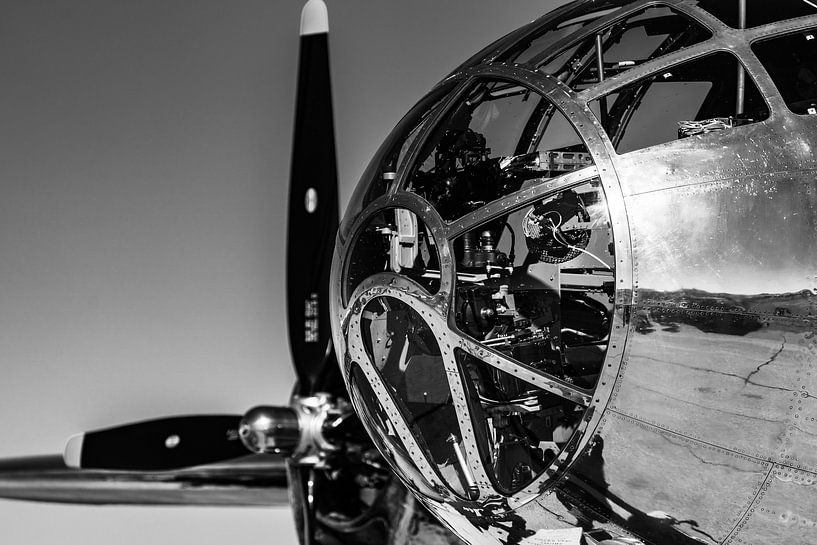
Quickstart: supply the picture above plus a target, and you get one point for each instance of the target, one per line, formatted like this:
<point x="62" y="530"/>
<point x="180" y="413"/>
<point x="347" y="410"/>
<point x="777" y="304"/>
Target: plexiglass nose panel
<point x="394" y="240"/>
<point x="521" y="429"/>
<point x="405" y="352"/>
<point x="484" y="339"/>
<point x="496" y="139"/>
<point x="388" y="442"/>
<point x="551" y="305"/>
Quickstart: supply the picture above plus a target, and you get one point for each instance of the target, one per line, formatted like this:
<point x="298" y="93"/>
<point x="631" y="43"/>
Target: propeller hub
<point x="298" y="432"/>
<point x="270" y="430"/>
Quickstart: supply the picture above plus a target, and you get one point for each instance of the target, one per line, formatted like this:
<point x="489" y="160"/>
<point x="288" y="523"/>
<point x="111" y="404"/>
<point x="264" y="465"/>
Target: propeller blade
<point x="156" y="445"/>
<point x="313" y="204"/>
<point x="256" y="480"/>
<point x="302" y="500"/>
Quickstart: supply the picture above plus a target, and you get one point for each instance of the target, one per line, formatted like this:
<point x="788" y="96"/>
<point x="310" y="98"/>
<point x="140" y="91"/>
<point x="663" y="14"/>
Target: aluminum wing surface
<point x="256" y="480"/>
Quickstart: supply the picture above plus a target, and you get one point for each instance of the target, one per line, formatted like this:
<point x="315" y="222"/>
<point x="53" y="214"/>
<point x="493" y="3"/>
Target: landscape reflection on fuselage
<point x="577" y="286"/>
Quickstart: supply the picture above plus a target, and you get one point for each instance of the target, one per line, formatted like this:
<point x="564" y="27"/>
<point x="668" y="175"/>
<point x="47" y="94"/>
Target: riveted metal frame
<point x="435" y="309"/>
<point x="594" y="27"/>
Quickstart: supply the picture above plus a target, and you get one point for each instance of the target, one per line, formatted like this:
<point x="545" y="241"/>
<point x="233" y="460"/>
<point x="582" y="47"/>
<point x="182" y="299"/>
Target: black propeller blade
<point x="155" y="445"/>
<point x="186" y="441"/>
<point x="313" y="225"/>
<point x="174" y="460"/>
<point x="313" y="205"/>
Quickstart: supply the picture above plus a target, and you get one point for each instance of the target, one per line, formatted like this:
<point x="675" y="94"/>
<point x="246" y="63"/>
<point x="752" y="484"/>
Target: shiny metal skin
<point x="254" y="480"/>
<point x="314" y="415"/>
<point x="701" y="425"/>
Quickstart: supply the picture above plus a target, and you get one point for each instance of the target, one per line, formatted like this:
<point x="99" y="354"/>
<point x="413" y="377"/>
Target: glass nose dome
<point x="476" y="293"/>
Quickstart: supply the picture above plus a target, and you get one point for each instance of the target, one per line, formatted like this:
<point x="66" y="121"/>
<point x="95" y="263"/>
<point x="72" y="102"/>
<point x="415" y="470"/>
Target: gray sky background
<point x="143" y="185"/>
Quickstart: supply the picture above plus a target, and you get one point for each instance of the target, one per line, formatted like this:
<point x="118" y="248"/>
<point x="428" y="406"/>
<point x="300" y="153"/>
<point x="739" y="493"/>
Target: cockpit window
<point x="693" y="98"/>
<point x="386" y="437"/>
<point x="521" y="428"/>
<point x="650" y="33"/>
<point x="792" y="63"/>
<point x="641" y="37"/>
<point x="382" y="172"/>
<point x="550" y="34"/>
<point x="405" y="352"/>
<point x="758" y="12"/>
<point x="394" y="240"/>
<point x="491" y="143"/>
<point x="537" y="283"/>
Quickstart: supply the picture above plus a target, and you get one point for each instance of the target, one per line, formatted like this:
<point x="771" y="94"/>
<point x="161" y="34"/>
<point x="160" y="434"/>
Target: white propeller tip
<point x="314" y="18"/>
<point x="73" y="450"/>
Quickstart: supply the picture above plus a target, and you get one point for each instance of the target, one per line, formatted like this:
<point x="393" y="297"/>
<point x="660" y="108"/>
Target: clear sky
<point x="143" y="183"/>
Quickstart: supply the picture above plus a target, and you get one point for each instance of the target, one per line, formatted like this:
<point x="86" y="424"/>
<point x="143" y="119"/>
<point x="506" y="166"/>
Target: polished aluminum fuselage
<point x="702" y="427"/>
